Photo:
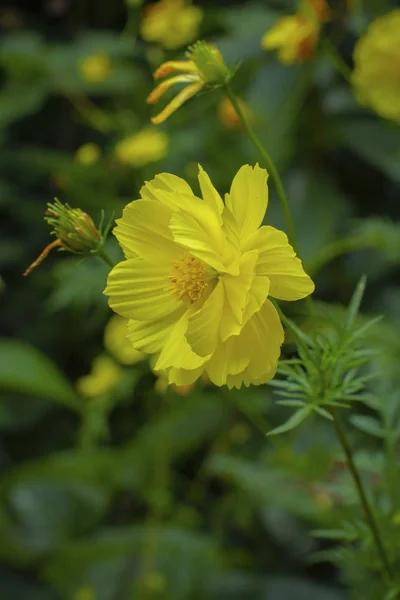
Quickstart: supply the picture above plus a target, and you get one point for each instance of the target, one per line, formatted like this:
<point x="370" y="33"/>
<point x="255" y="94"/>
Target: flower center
<point x="188" y="280"/>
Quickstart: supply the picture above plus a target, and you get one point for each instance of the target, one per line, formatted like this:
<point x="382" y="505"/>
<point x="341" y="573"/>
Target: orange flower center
<point x="188" y="280"/>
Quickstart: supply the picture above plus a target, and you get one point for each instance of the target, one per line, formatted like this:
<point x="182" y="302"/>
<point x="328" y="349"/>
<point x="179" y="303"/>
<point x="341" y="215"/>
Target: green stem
<point x="336" y="249"/>
<point x="269" y="164"/>
<point x="340" y="65"/>
<point x="107" y="259"/>
<point x="369" y="514"/>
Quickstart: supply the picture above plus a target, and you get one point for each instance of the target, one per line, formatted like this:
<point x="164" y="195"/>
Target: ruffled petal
<point x="200" y="232"/>
<point x="150" y="336"/>
<point x="210" y="194"/>
<point x="176" y="351"/>
<point x="248" y="199"/>
<point x="141" y="291"/>
<point x="278" y="261"/>
<point x="184" y="377"/>
<point x="252" y="356"/>
<point x="202" y="333"/>
<point x="237" y="290"/>
<point x="166" y="188"/>
<point x="143" y="231"/>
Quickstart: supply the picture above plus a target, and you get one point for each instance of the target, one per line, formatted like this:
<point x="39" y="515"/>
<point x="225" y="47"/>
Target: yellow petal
<point x="162" y="87"/>
<point x="229" y="358"/>
<point x="248" y="199"/>
<point x="237" y="289"/>
<point x="199" y="231"/>
<point x="202" y="333"/>
<point x="188" y="92"/>
<point x="141" y="291"/>
<point x="281" y="33"/>
<point x="176" y="351"/>
<point x="210" y="194"/>
<point x="183" y="376"/>
<point x="165" y="182"/>
<point x="278" y="261"/>
<point x="143" y="230"/>
<point x="150" y="336"/>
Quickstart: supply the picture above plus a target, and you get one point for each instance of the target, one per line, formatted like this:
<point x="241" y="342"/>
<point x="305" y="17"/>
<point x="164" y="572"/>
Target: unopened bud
<point x="210" y="63"/>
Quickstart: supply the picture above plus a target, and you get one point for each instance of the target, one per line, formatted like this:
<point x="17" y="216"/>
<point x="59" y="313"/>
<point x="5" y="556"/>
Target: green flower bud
<point x="74" y="228"/>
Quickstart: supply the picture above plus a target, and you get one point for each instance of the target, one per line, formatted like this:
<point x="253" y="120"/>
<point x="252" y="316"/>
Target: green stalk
<point x="269" y="164"/>
<point x="106" y="258"/>
<point x="369" y="514"/>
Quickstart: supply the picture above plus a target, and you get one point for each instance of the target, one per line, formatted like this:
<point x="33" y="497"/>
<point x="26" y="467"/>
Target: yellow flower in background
<point x="103" y="377"/>
<point x="87" y="154"/>
<point x="95" y="68"/>
<point x="376" y="75"/>
<point x="228" y="116"/>
<point x="296" y="37"/>
<point x="85" y="593"/>
<point x="171" y="23"/>
<point x="117" y="344"/>
<point x="140" y="149"/>
<point x="197" y="276"/>
<point x="205" y="66"/>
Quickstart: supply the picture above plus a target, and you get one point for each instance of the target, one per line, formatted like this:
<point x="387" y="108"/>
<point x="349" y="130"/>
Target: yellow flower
<point x="376" y="75"/>
<point x="228" y="115"/>
<point x="116" y="342"/>
<point x="103" y="377"/>
<point x="295" y="37"/>
<point x="197" y="276"/>
<point x="95" y="68"/>
<point x="171" y="23"/>
<point x="149" y="145"/>
<point x="87" y="154"/>
<point x="205" y="66"/>
<point x="85" y="593"/>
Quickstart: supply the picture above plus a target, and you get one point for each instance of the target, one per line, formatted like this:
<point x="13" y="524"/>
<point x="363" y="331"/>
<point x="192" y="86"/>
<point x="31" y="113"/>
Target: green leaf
<point x="367" y="425"/>
<point x="295" y="420"/>
<point x="24" y="369"/>
<point x="355" y="302"/>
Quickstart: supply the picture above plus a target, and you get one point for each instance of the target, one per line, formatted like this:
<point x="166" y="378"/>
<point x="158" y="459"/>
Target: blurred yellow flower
<point x="205" y="66"/>
<point x="295" y="37"/>
<point x="95" y="68"/>
<point x="104" y="375"/>
<point x="140" y="149"/>
<point x="376" y="75"/>
<point x="85" y="593"/>
<point x="228" y="115"/>
<point x="171" y="23"/>
<point x="197" y="276"/>
<point x="87" y="154"/>
<point x="117" y="344"/>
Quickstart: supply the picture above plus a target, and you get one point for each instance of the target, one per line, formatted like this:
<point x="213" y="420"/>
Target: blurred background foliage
<point x="113" y="487"/>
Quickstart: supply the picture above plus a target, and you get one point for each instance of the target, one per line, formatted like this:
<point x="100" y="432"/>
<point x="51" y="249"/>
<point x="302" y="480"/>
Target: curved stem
<point x="269" y="164"/>
<point x="336" y="249"/>
<point x="340" y="65"/>
<point x="106" y="258"/>
<point x="369" y="514"/>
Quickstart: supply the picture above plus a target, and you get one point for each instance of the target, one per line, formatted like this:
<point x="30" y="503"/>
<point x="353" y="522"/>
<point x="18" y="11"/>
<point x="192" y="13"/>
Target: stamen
<point x="189" y="278"/>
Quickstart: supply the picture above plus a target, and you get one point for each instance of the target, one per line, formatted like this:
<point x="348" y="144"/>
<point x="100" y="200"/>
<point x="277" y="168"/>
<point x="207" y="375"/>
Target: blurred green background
<point x="114" y="488"/>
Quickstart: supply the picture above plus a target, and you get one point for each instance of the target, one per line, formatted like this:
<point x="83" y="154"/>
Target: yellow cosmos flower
<point x="117" y="344"/>
<point x="228" y="115"/>
<point x="197" y="276"/>
<point x="205" y="66"/>
<point x="171" y="23"/>
<point x="87" y="154"/>
<point x="95" y="68"/>
<point x="104" y="376"/>
<point x="295" y="37"/>
<point x="376" y="75"/>
<point x="149" y="145"/>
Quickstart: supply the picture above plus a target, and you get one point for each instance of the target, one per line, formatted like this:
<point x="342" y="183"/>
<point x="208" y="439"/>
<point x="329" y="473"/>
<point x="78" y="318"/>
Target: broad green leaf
<point x="24" y="369"/>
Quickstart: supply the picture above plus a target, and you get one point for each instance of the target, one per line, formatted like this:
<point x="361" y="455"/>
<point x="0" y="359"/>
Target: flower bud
<point x="210" y="63"/>
<point x="74" y="228"/>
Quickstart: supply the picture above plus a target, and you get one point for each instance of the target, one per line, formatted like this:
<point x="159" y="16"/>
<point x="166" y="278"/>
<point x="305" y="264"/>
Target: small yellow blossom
<point x="296" y="37"/>
<point x="104" y="375"/>
<point x="228" y="115"/>
<point x="149" y="145"/>
<point x="376" y="75"/>
<point x="95" y="68"/>
<point x="171" y="23"/>
<point x="87" y="154"/>
<point x="197" y="278"/>
<point x="205" y="67"/>
<point x="117" y="344"/>
<point x="85" y="593"/>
